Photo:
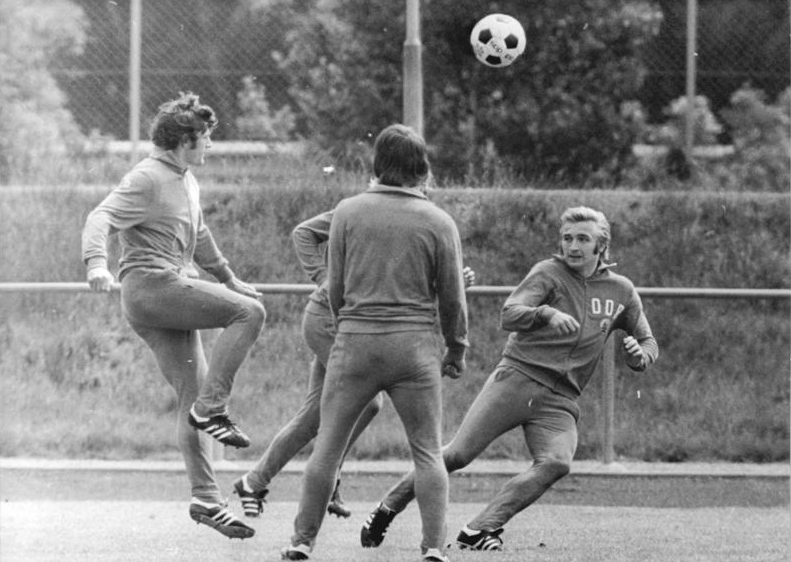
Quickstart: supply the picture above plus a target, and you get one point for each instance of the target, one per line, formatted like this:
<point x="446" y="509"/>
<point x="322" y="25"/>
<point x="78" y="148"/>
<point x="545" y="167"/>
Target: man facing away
<point x="394" y="266"/>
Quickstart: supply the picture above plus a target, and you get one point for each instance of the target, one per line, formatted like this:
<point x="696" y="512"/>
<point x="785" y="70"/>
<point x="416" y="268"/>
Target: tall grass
<point x="76" y="381"/>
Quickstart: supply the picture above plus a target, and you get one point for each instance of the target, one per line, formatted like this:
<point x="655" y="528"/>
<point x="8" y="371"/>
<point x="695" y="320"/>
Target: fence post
<point x="413" y="69"/>
<point x="135" y="19"/>
<point x="607" y="365"/>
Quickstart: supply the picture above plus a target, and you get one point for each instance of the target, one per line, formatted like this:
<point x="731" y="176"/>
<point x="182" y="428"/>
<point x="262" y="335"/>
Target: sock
<point x="382" y="506"/>
<point x="470" y="532"/>
<point x="246" y="486"/>
<point x="303" y="548"/>
<point x="203" y="503"/>
<point x="196" y="416"/>
<point x="435" y="553"/>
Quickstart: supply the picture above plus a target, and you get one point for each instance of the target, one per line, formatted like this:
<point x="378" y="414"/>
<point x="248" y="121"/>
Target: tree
<point x="556" y="112"/>
<point x="37" y="133"/>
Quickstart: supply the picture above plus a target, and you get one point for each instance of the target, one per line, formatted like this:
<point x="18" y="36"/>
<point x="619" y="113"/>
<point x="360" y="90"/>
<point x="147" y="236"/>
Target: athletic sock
<point x="246" y="486"/>
<point x="196" y="416"/>
<point x="204" y="503"/>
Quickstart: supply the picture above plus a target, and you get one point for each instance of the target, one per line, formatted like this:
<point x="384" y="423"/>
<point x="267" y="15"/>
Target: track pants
<point x="319" y="334"/>
<point x="406" y="365"/>
<point x="509" y="399"/>
<point x="166" y="310"/>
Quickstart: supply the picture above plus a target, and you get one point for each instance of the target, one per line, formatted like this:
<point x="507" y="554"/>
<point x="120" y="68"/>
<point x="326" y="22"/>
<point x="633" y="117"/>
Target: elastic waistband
<point x="554" y="380"/>
<point x="354" y="326"/>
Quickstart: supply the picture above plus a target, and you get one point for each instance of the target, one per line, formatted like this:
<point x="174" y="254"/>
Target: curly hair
<point x="182" y="116"/>
<point x="400" y="157"/>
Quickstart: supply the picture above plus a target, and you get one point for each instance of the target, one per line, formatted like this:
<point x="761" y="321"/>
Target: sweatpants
<point x="319" y="333"/>
<point x="167" y="310"/>
<point x="407" y="366"/>
<point x="507" y="400"/>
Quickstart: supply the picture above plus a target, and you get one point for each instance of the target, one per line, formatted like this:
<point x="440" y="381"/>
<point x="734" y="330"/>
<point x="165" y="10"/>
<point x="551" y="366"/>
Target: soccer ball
<point x="497" y="40"/>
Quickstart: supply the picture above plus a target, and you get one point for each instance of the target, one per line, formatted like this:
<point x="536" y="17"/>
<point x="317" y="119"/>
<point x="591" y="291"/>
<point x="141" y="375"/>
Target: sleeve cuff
<point x="223" y="274"/>
<point x="95" y="263"/>
<point x="457" y="352"/>
<point x="545" y="313"/>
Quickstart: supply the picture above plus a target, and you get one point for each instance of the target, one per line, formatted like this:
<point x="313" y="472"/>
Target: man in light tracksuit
<point x="318" y="330"/>
<point x="156" y="213"/>
<point x="394" y="266"/>
<point x="559" y="316"/>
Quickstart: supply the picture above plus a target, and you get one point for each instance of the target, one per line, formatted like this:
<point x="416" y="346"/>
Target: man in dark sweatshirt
<point x="559" y="317"/>
<point x="394" y="269"/>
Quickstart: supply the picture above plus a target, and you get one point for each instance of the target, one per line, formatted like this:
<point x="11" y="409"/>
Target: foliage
<point x="256" y="120"/>
<point x="719" y="390"/>
<point x="760" y="132"/>
<point x="760" y="141"/>
<point x="736" y="40"/>
<point x="37" y="133"/>
<point x="705" y="126"/>
<point x="556" y="112"/>
<point x="346" y="79"/>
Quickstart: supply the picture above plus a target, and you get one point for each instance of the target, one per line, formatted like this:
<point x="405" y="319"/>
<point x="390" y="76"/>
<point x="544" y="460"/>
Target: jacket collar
<point x="376" y="187"/>
<point x="168" y="158"/>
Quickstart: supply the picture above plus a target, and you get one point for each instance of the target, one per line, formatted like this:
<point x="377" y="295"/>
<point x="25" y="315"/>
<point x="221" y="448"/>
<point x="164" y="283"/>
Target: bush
<point x="720" y="389"/>
<point x="556" y="113"/>
<point x="38" y="135"/>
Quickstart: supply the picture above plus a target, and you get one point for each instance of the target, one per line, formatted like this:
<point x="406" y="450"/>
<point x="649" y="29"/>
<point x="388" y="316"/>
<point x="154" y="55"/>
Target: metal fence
<point x="213" y="46"/>
<point x="606" y="365"/>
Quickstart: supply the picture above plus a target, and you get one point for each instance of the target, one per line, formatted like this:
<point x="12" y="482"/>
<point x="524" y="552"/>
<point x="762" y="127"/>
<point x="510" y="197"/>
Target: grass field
<point x="110" y="531"/>
<point x="58" y="516"/>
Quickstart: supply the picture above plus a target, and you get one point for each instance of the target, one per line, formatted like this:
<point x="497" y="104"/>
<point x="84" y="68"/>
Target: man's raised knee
<point x="455" y="460"/>
<point x="555" y="468"/>
<point x="257" y="314"/>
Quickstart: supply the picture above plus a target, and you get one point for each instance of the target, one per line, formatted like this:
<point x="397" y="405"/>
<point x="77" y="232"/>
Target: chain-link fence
<point x="754" y="51"/>
<point x="212" y="47"/>
<point x="206" y="47"/>
<point x="236" y="55"/>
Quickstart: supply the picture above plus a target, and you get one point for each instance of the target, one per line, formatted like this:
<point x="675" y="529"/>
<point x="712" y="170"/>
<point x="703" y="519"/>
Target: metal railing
<point x="606" y="366"/>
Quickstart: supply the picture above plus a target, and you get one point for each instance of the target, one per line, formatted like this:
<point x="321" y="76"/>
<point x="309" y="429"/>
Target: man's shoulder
<point x="549" y="265"/>
<point x="617" y="279"/>
<point x="153" y="171"/>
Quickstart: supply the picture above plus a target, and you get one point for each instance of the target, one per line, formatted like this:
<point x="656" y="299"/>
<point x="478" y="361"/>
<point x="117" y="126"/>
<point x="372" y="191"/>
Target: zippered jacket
<point x="601" y="303"/>
<point x="156" y="212"/>
<point x="407" y="270"/>
<point x="310" y="242"/>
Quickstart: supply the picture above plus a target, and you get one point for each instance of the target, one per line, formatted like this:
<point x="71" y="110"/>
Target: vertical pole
<point x="608" y="401"/>
<point x="413" y="69"/>
<point x="134" y="78"/>
<point x="789" y="158"/>
<point x="692" y="31"/>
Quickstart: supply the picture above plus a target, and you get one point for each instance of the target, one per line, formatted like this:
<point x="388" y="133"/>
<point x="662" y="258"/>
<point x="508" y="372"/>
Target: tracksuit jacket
<point x="367" y="299"/>
<point x="156" y="211"/>
<point x="601" y="303"/>
<point x="309" y="238"/>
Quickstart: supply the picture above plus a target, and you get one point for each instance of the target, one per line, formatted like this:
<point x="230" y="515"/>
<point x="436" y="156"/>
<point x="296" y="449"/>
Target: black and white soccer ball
<point x="497" y="40"/>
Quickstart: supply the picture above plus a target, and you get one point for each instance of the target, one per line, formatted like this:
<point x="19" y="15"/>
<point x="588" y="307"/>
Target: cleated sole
<point x="230" y="531"/>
